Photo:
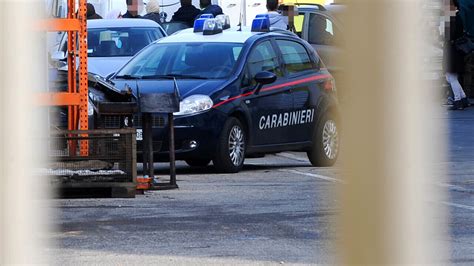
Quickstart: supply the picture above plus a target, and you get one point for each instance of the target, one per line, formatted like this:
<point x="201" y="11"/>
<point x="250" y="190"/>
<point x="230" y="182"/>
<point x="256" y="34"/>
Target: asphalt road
<point x="278" y="210"/>
<point x="461" y="181"/>
<point x="273" y="211"/>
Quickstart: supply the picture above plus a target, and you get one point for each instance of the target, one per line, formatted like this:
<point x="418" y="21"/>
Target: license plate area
<point x="139" y="134"/>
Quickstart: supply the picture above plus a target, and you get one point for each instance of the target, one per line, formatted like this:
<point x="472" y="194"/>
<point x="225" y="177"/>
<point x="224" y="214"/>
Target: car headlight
<point x="90" y="108"/>
<point x="194" y="104"/>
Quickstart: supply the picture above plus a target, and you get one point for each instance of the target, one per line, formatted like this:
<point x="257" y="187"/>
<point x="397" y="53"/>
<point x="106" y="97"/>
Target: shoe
<point x="457" y="105"/>
<point x="465" y="102"/>
<point x="449" y="101"/>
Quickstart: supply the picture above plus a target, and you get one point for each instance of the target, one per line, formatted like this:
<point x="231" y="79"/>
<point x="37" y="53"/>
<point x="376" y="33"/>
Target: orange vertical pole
<point x="71" y="60"/>
<point x="76" y="98"/>
<point x="72" y="82"/>
<point x="83" y="80"/>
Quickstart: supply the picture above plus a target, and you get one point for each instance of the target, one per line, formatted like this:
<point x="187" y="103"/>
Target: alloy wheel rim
<point x="330" y="139"/>
<point x="236" y="145"/>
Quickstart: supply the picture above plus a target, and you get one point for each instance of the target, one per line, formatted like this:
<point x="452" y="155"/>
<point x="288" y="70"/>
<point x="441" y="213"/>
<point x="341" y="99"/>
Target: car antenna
<point x="240" y="16"/>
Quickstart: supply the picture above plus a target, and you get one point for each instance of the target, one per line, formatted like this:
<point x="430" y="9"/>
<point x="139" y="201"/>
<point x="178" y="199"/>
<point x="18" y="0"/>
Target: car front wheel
<point x="326" y="140"/>
<point x="230" y="154"/>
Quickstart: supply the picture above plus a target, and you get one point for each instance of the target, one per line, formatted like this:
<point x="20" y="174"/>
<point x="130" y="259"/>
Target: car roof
<point x="232" y="35"/>
<point x="334" y="10"/>
<point x="120" y="23"/>
<point x="227" y="36"/>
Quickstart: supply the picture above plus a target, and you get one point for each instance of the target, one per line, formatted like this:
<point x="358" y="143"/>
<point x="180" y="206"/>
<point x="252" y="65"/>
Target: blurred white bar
<point x="392" y="210"/>
<point x="22" y="71"/>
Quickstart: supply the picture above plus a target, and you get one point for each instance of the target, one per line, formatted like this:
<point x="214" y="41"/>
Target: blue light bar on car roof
<point x="225" y="20"/>
<point x="261" y="23"/>
<point x="262" y="16"/>
<point x="199" y="24"/>
<point x="206" y="16"/>
<point x="212" y="26"/>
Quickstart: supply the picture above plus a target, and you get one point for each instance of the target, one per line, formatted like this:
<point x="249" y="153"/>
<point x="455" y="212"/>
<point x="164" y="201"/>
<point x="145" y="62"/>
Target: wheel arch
<point x="327" y="105"/>
<point x="316" y="155"/>
<point x="245" y="120"/>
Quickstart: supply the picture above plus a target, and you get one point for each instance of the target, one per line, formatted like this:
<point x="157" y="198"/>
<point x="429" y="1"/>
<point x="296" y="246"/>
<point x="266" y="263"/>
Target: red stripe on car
<point x="274" y="87"/>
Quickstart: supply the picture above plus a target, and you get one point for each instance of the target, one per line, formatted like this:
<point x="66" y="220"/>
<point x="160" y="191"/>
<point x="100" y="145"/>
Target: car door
<point x="324" y="35"/>
<point x="301" y="71"/>
<point x="267" y="107"/>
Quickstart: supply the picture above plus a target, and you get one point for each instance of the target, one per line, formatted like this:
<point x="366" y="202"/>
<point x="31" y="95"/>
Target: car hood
<point x="105" y="65"/>
<point x="187" y="87"/>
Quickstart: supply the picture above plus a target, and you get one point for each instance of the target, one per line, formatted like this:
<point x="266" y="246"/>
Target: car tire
<point x="198" y="162"/>
<point x="326" y="140"/>
<point x="231" y="145"/>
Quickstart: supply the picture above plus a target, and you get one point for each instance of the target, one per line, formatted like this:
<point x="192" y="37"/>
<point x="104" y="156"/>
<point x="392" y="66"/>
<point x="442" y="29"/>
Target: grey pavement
<point x="265" y="214"/>
<point x="461" y="178"/>
<point x="278" y="210"/>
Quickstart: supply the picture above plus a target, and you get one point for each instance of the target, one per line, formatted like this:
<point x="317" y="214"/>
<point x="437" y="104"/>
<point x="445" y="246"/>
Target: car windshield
<point x="183" y="60"/>
<point x="111" y="42"/>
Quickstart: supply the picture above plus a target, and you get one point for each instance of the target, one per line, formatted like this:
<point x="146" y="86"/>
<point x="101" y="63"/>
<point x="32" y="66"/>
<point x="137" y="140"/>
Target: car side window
<point x="295" y="56"/>
<point x="263" y="58"/>
<point x="321" y="30"/>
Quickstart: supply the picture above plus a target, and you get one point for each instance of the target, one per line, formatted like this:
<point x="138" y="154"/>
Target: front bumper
<point x="196" y="136"/>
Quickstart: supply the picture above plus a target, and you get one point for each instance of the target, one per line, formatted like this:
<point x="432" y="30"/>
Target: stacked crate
<point x="108" y="170"/>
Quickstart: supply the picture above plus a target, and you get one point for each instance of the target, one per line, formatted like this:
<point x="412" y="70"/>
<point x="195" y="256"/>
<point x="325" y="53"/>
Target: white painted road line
<point x="456" y="188"/>
<point x="449" y="186"/>
<point x="293" y="157"/>
<point x="334" y="180"/>
<point x="322" y="177"/>
<point x="466" y="207"/>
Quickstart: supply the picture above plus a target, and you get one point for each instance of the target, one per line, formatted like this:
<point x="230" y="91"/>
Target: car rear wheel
<point x="325" y="149"/>
<point x="198" y="162"/>
<point x="230" y="154"/>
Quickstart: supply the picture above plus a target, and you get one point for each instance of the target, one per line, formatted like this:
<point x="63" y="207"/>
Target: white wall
<point x="229" y="7"/>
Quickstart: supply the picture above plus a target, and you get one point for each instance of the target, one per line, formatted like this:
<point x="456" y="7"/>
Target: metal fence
<point x="111" y="156"/>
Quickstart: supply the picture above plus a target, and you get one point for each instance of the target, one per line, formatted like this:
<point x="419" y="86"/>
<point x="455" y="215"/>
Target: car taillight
<point x="329" y="85"/>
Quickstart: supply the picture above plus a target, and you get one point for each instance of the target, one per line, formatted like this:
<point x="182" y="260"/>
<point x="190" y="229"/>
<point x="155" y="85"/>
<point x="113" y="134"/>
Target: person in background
<point x="153" y="11"/>
<point x="276" y="19"/>
<point x="114" y="14"/>
<point x="132" y="9"/>
<point x="454" y="58"/>
<point x="208" y="8"/>
<point x="91" y="12"/>
<point x="186" y="13"/>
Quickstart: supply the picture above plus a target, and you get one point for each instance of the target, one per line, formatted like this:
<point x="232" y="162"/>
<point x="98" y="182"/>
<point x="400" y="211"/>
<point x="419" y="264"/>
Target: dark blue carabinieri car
<point x="243" y="94"/>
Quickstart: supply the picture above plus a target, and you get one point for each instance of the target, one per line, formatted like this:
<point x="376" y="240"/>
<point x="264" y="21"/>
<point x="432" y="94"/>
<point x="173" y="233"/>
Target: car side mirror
<point x="263" y="78"/>
<point x="58" y="56"/>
